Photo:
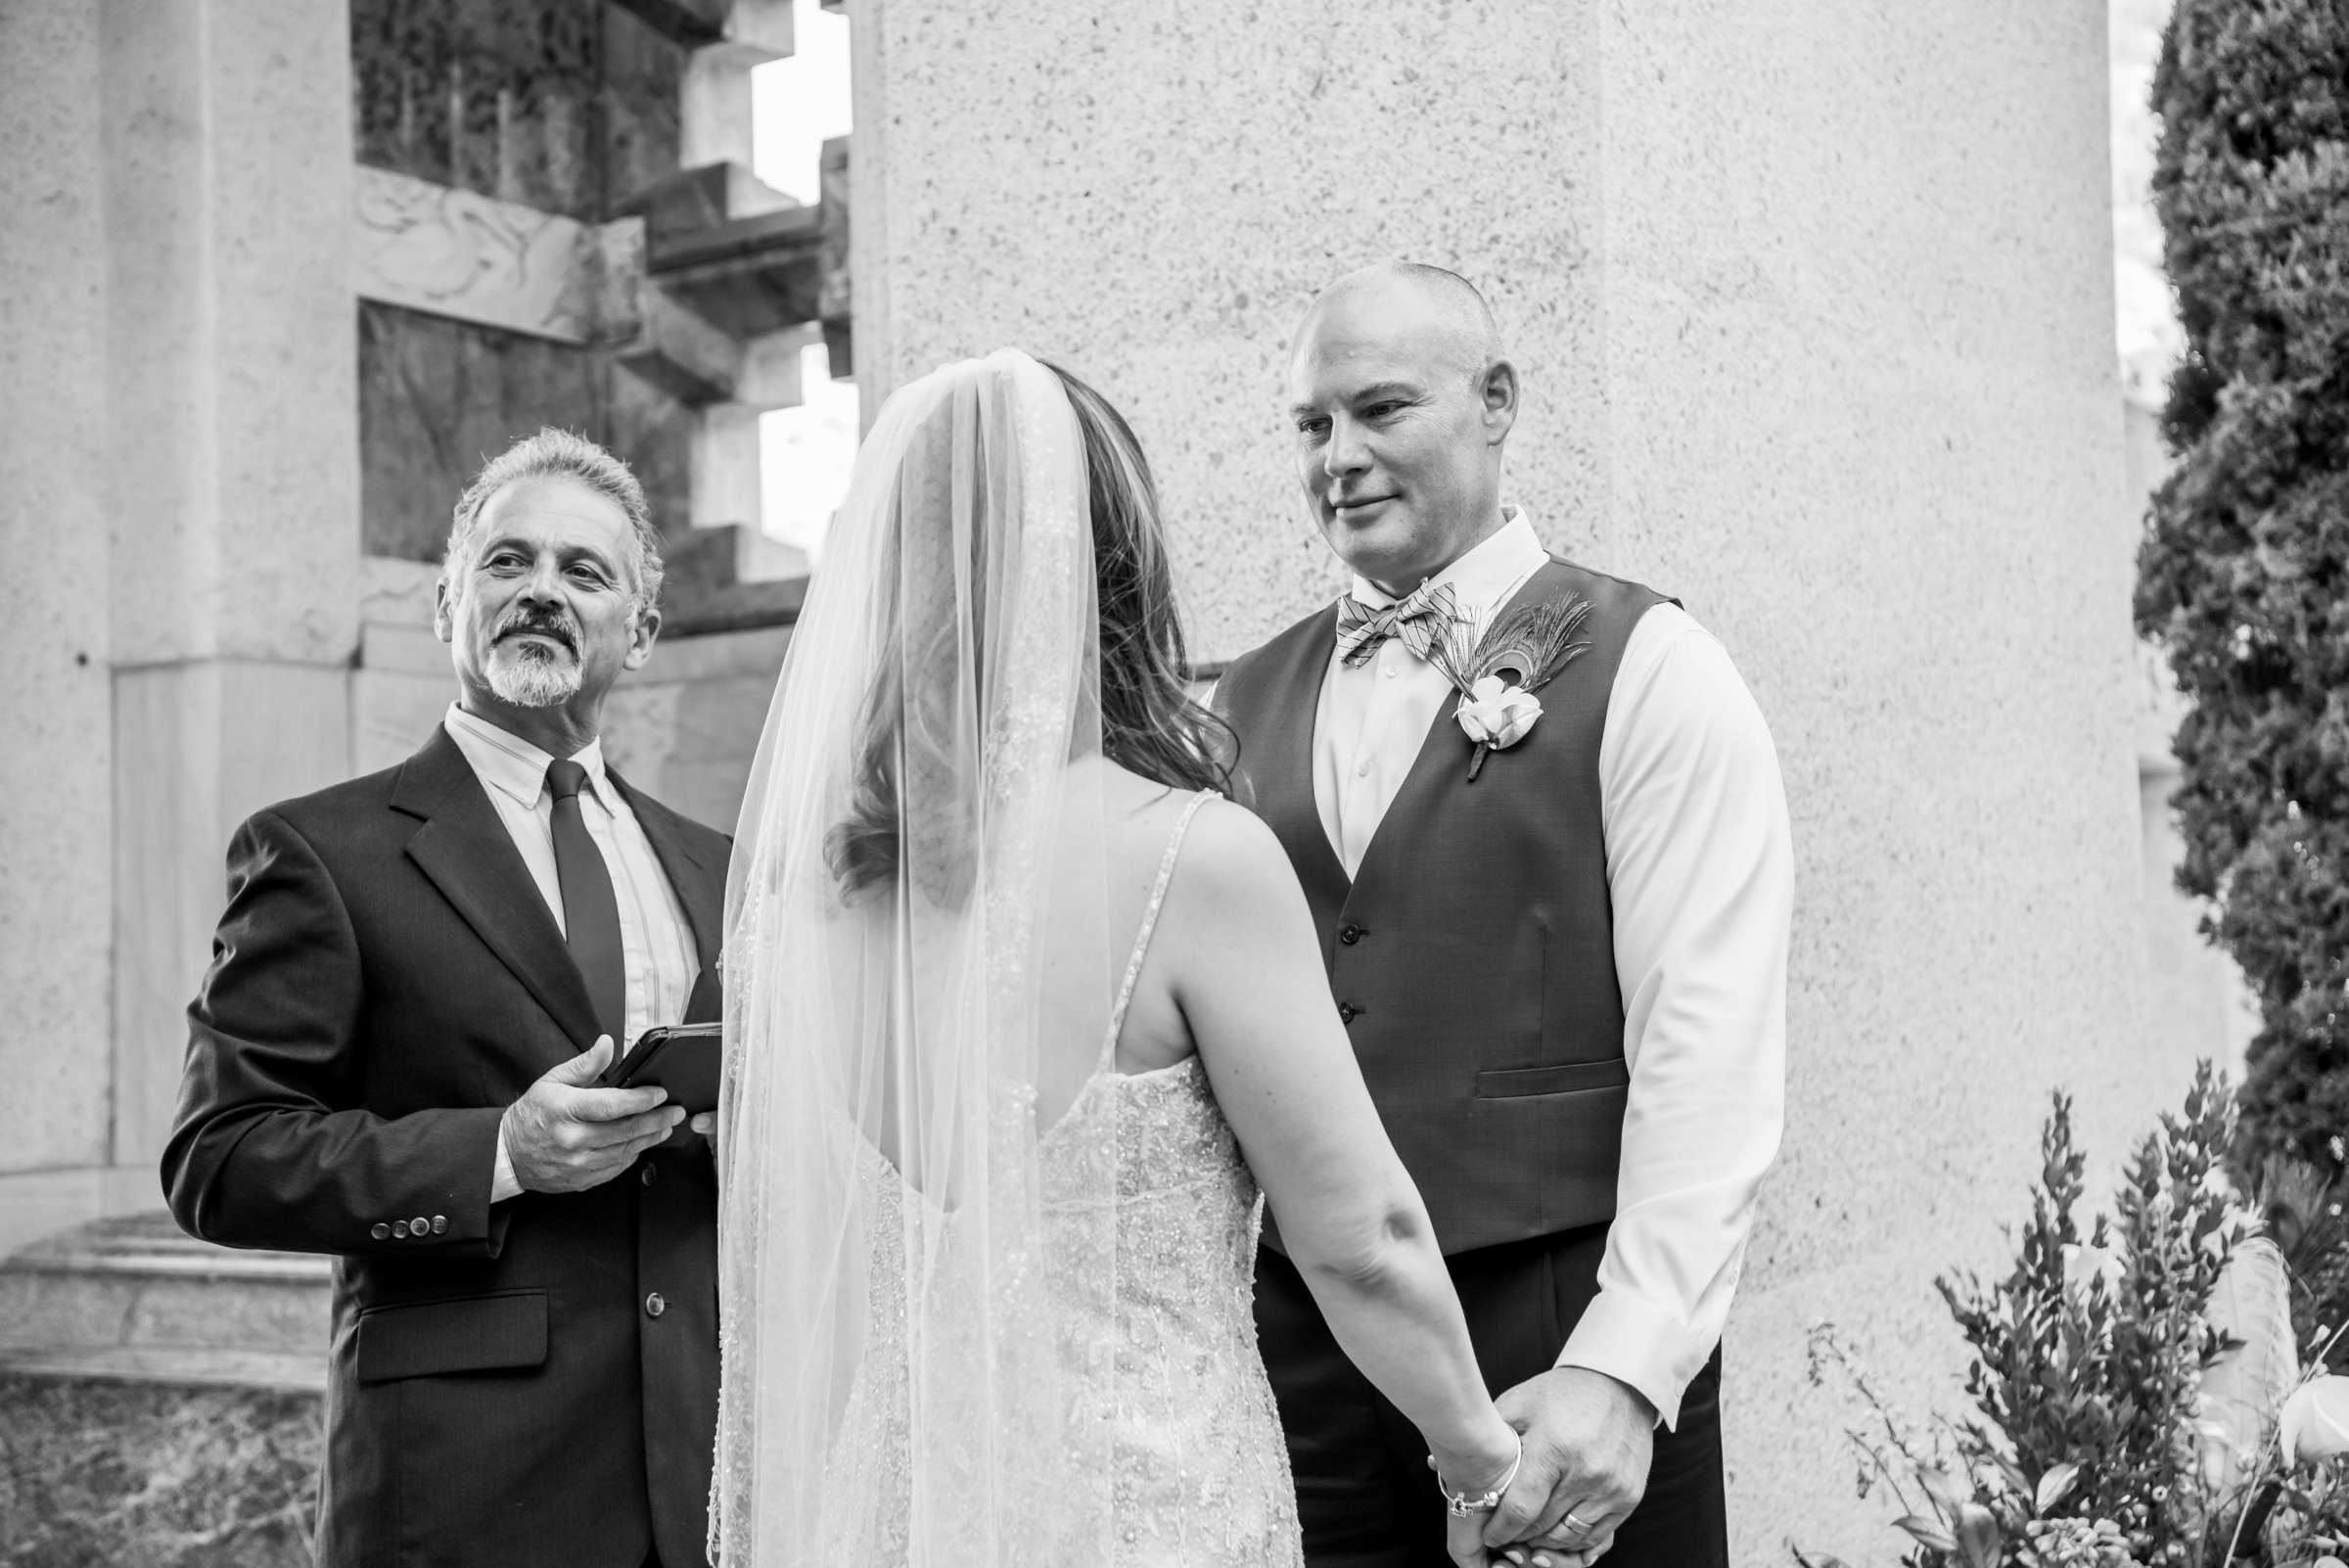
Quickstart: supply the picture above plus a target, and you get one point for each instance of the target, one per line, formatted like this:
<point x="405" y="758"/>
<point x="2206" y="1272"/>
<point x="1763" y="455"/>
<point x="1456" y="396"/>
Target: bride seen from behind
<point x="1020" y="1017"/>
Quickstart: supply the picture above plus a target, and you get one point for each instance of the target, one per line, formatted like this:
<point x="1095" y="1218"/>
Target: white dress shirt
<point x="1700" y="870"/>
<point x="655" y="939"/>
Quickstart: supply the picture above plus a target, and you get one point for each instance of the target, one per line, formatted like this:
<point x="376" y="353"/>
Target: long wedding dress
<point x="982" y="1297"/>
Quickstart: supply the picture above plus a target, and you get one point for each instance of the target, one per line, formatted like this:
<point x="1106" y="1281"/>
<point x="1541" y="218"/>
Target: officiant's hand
<point x="566" y="1135"/>
<point x="1588" y="1442"/>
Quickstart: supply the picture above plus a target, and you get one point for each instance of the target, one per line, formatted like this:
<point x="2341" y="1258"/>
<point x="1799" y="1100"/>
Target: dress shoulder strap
<point x="1158" y="898"/>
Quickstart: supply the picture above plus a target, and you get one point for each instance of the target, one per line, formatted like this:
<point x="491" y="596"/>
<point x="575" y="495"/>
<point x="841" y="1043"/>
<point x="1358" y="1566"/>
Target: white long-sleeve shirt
<point x="654" y="941"/>
<point x="1700" y="870"/>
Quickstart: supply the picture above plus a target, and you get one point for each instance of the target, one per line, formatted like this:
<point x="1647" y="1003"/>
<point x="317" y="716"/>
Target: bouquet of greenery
<point x="2138" y="1397"/>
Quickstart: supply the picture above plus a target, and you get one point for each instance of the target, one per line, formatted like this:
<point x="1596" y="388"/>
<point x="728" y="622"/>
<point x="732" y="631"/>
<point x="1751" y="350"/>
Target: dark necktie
<point x="591" y="912"/>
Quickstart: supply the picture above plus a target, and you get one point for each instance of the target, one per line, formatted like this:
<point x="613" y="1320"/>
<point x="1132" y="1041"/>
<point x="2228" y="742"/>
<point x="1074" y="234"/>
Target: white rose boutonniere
<point x="1498" y="714"/>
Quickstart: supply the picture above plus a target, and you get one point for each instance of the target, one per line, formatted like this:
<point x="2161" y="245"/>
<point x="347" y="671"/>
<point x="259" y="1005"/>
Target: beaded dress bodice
<point x="1200" y="1471"/>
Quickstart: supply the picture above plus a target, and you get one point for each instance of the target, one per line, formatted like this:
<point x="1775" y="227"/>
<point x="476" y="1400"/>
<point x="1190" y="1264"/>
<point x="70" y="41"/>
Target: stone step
<point x="133" y="1297"/>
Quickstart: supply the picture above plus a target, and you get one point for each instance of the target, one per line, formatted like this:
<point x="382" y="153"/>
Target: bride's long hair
<point x="1150" y="723"/>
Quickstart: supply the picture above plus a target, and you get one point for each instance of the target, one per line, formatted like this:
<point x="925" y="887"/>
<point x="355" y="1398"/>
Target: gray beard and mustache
<point x="530" y="674"/>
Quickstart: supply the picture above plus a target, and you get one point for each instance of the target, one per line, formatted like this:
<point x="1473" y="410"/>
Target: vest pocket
<point x="1566" y="1078"/>
<point x="465" y="1334"/>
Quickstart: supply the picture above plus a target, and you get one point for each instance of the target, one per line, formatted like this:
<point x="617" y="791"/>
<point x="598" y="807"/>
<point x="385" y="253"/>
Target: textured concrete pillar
<point x="55" y="741"/>
<point x="232" y="473"/>
<point x="1813" y="303"/>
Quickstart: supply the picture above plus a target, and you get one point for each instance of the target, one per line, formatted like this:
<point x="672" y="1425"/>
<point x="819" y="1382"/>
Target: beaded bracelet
<point x="1460" y="1504"/>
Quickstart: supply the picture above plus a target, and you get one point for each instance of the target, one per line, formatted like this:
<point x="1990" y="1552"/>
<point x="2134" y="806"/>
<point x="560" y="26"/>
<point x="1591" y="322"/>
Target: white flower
<point x="1498" y="714"/>
<point x="2082" y="1263"/>
<point x="2313" y="1424"/>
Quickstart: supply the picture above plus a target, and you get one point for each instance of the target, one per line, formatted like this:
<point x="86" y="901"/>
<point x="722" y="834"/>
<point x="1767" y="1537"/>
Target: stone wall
<point x="56" y="850"/>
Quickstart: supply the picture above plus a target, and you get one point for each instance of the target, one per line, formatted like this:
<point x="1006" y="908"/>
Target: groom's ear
<point x="1498" y="390"/>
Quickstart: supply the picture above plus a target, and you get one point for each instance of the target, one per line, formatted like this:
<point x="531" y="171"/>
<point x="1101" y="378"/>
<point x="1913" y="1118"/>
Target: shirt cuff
<point x="1640" y="1346"/>
<point x="503" y="1184"/>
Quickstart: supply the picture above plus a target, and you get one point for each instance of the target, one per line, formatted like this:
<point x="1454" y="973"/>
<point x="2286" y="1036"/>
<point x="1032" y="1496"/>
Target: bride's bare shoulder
<point x="1232" y="860"/>
<point x="1227" y="855"/>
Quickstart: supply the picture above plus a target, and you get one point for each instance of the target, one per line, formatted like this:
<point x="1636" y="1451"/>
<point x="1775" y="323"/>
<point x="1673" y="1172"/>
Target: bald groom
<point x="1563" y="961"/>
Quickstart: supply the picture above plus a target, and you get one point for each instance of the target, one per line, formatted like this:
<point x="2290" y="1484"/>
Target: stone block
<point x="687" y="725"/>
<point x="437" y="399"/>
<point x="197" y="748"/>
<point x="456" y="253"/>
<point x="758" y="27"/>
<point x="498" y="100"/>
<point x="392" y="712"/>
<point x="96" y="1473"/>
<point x="679" y="351"/>
<point x="139" y="1283"/>
<point x="641" y="103"/>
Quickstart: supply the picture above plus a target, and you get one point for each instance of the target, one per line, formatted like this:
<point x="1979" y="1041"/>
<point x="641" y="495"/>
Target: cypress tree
<point x="2243" y="576"/>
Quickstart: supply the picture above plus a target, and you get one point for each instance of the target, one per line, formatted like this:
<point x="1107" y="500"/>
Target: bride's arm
<point x="1238" y="953"/>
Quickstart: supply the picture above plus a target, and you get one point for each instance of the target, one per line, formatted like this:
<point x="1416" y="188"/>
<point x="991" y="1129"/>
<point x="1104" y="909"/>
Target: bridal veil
<point x="918" y="978"/>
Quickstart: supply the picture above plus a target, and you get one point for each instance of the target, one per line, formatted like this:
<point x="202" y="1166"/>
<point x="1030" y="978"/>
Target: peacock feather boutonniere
<point x="1497" y="672"/>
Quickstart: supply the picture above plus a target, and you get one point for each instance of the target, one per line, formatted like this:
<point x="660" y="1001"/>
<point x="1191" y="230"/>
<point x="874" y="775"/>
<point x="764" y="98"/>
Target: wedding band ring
<point x="1576" y="1525"/>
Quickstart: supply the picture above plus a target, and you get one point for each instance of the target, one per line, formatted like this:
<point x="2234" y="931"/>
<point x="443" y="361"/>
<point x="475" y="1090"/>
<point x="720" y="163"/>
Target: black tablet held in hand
<point x="681" y="1058"/>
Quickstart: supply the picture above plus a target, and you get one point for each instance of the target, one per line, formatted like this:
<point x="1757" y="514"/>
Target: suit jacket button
<point x="1350" y="934"/>
<point x="399" y="1228"/>
<point x="647" y="1174"/>
<point x="1347" y="1012"/>
<point x="440" y="1224"/>
<point x="380" y="1231"/>
<point x="419" y="1226"/>
<point x="654" y="1306"/>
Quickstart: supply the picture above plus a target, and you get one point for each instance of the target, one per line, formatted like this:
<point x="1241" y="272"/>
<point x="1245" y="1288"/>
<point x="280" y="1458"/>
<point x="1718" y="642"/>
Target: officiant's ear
<point x="1497" y="388"/>
<point x="644" y="626"/>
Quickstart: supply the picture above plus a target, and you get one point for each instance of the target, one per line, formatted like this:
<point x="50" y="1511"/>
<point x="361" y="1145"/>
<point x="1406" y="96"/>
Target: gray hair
<point x="560" y="453"/>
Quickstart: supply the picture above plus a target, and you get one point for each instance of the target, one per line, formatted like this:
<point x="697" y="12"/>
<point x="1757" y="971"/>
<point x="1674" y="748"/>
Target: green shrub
<point x="2126" y="1376"/>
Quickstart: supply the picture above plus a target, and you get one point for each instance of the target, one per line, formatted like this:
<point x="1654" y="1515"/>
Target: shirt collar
<point x="1482" y="577"/>
<point x="507" y="763"/>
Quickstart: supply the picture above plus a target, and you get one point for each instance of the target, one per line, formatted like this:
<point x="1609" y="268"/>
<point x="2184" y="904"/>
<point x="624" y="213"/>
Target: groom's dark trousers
<point x="528" y="1383"/>
<point x="1365" y="1494"/>
<point x="1472" y="956"/>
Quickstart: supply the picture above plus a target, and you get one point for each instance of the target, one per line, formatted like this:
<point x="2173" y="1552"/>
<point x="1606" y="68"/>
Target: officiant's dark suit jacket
<point x="533" y="1382"/>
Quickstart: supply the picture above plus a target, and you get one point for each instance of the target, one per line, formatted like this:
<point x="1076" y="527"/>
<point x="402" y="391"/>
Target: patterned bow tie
<point x="1416" y="622"/>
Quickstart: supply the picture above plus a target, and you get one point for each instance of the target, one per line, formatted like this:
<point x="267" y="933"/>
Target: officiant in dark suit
<point x="1539" y="821"/>
<point x="418" y="980"/>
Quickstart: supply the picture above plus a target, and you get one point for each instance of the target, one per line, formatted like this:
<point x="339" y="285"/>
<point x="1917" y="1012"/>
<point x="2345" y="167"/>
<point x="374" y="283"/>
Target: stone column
<point x="56" y="757"/>
<point x="230" y="465"/>
<point x="1813" y="307"/>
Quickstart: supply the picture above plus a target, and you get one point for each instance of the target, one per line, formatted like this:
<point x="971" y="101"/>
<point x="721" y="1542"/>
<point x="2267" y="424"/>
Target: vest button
<point x="1350" y="935"/>
<point x="1347" y="1012"/>
<point x="655" y="1305"/>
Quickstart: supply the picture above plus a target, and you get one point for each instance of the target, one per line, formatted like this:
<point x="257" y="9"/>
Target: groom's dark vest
<point x="1472" y="955"/>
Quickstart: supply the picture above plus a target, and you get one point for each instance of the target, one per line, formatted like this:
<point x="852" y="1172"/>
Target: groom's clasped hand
<point x="1589" y="1441"/>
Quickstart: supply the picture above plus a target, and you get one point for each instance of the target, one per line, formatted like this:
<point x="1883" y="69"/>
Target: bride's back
<point x="1110" y="859"/>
